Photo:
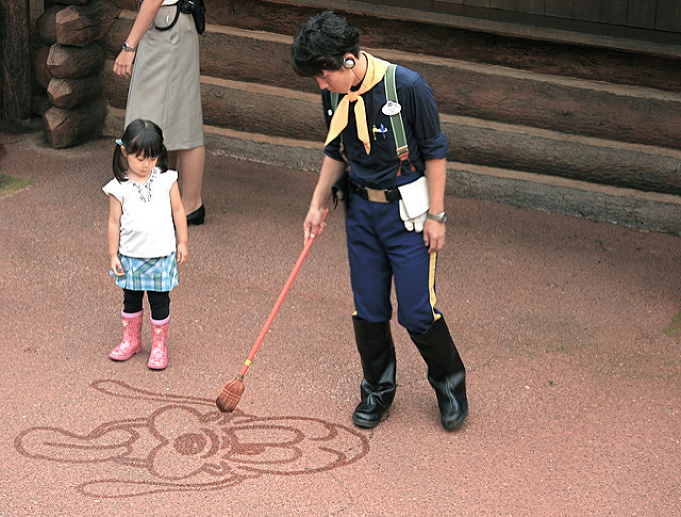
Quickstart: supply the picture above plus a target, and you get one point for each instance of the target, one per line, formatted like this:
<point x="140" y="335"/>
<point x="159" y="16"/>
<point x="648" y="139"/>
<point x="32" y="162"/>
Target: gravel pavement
<point x="569" y="330"/>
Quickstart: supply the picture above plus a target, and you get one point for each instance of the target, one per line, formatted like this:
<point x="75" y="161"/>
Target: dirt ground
<point x="567" y="328"/>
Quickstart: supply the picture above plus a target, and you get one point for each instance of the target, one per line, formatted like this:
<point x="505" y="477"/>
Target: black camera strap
<point x="194" y="7"/>
<point x="172" y="24"/>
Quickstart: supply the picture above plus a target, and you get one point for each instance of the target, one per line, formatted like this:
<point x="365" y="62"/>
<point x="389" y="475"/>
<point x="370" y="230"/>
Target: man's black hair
<point x="321" y="43"/>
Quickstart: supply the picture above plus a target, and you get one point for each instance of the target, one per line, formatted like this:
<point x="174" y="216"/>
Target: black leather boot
<point x="377" y="351"/>
<point x="446" y="373"/>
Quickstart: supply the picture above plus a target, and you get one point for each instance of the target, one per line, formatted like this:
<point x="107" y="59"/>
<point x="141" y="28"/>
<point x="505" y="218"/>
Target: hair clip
<point x="119" y="142"/>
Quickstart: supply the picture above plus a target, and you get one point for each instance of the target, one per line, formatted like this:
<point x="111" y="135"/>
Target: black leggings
<point x="159" y="301"/>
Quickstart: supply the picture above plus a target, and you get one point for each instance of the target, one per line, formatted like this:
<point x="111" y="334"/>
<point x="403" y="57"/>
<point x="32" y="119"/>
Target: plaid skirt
<point x="153" y="274"/>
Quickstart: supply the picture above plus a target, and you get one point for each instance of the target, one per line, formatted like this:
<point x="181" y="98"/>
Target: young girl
<point x="145" y="213"/>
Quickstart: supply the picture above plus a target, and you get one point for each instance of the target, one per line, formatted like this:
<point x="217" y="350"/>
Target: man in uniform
<point x="395" y="218"/>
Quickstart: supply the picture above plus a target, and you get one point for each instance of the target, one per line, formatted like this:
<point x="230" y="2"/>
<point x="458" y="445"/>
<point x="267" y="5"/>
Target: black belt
<point x="377" y="196"/>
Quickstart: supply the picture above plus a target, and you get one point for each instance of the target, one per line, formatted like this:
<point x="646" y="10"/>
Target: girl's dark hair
<point x="141" y="137"/>
<point x="321" y="43"/>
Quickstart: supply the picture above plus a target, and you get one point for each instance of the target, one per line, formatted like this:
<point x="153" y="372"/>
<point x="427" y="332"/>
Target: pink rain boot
<point x="158" y="359"/>
<point x="132" y="337"/>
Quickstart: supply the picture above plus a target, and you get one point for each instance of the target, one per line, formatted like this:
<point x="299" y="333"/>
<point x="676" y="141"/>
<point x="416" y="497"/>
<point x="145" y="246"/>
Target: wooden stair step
<point x="280" y="112"/>
<point x="577" y="106"/>
<point x="628" y="207"/>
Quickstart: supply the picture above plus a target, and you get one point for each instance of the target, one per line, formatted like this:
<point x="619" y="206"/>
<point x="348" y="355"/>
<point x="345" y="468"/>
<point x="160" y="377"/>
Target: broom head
<point x="231" y="394"/>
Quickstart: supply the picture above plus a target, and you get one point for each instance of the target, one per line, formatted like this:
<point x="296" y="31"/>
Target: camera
<point x="187" y="6"/>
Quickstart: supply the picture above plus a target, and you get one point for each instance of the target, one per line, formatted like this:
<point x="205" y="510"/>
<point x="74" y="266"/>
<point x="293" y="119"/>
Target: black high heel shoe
<point x="197" y="216"/>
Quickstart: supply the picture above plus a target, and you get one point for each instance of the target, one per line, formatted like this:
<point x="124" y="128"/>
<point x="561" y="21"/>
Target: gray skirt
<point x="166" y="85"/>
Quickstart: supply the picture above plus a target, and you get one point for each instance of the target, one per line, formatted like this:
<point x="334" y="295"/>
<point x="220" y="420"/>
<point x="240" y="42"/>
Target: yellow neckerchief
<point x="376" y="69"/>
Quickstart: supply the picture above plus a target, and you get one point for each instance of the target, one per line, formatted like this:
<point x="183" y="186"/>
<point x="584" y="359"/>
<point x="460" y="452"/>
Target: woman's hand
<point x="123" y="63"/>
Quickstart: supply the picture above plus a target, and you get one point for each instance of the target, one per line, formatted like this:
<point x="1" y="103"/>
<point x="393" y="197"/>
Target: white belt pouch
<point x="414" y="204"/>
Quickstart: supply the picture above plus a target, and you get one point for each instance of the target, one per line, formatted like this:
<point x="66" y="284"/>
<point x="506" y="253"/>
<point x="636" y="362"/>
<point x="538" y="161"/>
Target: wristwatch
<point x="126" y="46"/>
<point x="440" y="218"/>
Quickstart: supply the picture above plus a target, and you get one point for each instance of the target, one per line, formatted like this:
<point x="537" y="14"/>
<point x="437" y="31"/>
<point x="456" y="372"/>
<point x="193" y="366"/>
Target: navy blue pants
<point x="380" y="249"/>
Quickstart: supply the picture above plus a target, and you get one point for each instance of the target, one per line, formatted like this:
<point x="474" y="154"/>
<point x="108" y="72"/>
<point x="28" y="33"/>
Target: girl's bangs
<point x="148" y="144"/>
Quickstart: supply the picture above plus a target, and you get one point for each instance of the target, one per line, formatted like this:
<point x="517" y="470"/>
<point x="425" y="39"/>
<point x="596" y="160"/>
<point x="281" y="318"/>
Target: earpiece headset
<point x="349" y="63"/>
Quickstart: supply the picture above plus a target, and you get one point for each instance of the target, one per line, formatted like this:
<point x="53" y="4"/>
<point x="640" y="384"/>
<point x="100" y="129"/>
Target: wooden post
<point x="15" y="60"/>
<point x="76" y="110"/>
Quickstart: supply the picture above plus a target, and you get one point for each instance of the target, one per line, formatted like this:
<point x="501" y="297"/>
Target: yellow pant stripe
<point x="431" y="285"/>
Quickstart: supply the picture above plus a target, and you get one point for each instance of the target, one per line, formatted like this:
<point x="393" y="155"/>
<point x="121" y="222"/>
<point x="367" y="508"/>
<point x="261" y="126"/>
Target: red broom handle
<point x="280" y="300"/>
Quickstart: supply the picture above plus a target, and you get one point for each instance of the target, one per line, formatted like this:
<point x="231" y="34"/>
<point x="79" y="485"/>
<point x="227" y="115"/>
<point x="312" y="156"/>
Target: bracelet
<point x="126" y="46"/>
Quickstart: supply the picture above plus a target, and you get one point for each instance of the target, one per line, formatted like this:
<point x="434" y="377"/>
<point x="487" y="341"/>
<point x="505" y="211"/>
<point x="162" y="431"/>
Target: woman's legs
<point x="190" y="164"/>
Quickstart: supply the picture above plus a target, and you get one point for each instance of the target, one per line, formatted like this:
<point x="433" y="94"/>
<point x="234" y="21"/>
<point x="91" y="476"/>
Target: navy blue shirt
<point x="421" y="122"/>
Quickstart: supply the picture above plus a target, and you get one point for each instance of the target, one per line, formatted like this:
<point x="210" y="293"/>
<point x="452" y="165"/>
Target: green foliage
<point x="8" y="184"/>
<point x="674" y="328"/>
